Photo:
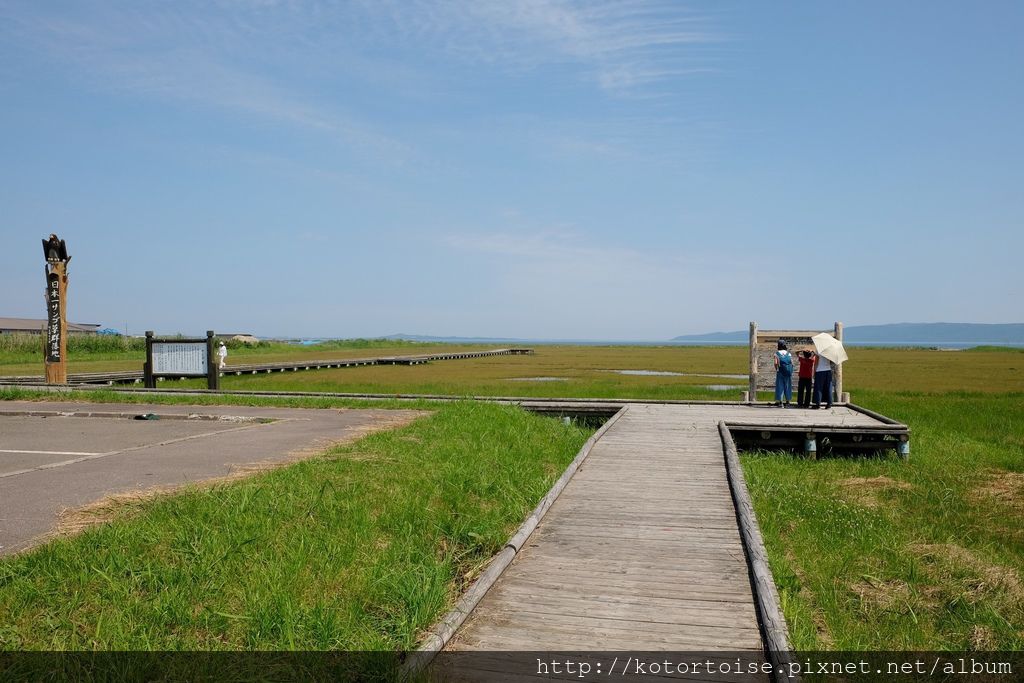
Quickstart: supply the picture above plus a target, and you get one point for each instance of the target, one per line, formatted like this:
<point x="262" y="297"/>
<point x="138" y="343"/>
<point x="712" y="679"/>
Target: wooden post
<point x="837" y="379"/>
<point x="810" y="446"/>
<point x="212" y="366"/>
<point x="147" y="369"/>
<point x="753" y="362"/>
<point x="56" y="331"/>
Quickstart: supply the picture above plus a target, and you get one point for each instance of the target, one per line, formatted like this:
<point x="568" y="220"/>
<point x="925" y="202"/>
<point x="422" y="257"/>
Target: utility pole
<point x="56" y="344"/>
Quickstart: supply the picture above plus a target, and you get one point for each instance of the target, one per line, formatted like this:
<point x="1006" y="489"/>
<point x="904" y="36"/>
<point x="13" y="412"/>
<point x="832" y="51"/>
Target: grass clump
<point x="360" y="549"/>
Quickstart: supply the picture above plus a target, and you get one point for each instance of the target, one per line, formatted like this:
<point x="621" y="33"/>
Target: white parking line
<point x="4" y="450"/>
<point x="82" y="457"/>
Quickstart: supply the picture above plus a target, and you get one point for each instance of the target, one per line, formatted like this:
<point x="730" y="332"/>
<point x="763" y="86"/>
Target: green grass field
<point x="360" y="549"/>
<point x="578" y="371"/>
<point x="881" y="554"/>
<point x="868" y="553"/>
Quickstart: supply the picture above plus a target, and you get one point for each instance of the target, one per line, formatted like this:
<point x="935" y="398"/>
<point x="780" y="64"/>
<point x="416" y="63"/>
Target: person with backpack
<point x="783" y="375"/>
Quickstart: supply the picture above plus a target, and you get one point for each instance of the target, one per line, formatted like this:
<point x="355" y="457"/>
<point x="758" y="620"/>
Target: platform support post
<point x="810" y="446"/>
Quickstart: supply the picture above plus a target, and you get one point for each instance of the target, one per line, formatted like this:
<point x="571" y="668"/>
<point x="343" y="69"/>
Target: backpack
<point x="785" y="361"/>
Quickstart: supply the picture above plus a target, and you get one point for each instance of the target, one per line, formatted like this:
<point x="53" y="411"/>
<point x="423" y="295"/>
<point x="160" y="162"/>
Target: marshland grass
<point x="359" y="549"/>
<point x="882" y="554"/>
<point x="582" y="371"/>
<point x="868" y="553"/>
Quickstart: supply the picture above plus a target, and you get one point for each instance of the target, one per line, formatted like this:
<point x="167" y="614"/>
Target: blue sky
<point x="525" y="168"/>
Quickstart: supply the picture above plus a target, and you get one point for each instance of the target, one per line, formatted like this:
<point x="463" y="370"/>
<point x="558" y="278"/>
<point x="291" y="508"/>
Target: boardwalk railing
<point x="136" y="376"/>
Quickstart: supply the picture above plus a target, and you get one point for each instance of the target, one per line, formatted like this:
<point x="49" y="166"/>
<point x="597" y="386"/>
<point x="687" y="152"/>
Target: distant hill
<point x="903" y="333"/>
<point x="715" y="337"/>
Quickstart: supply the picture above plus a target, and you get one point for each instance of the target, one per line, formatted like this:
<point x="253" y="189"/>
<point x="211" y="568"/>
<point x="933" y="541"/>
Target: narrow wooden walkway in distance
<point x="136" y="376"/>
<point x="642" y="550"/>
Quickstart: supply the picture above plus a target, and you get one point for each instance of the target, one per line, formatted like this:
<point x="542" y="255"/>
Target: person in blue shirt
<point x="783" y="375"/>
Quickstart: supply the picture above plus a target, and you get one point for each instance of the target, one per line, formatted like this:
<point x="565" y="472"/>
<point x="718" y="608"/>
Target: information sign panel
<point x="179" y="358"/>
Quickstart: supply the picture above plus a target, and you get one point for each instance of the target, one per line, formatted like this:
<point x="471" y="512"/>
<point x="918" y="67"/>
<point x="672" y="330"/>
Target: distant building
<point x="35" y="326"/>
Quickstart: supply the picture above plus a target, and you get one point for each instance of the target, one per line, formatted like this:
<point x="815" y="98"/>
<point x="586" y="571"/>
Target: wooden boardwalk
<point x="136" y="376"/>
<point x="642" y="549"/>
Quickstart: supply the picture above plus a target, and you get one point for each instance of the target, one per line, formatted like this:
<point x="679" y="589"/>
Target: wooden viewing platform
<point x="136" y="376"/>
<point x="645" y="548"/>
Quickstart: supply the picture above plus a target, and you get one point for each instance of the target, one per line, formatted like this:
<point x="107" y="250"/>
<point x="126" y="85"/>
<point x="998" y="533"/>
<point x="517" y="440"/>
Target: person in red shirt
<point x="805" y="378"/>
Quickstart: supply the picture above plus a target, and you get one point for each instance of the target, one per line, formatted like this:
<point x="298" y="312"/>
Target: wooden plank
<point x="581" y="624"/>
<point x="634" y="608"/>
<point x="596" y="634"/>
<point x="615" y="586"/>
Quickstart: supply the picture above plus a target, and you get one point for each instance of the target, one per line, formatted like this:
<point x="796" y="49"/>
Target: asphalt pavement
<point x="55" y="456"/>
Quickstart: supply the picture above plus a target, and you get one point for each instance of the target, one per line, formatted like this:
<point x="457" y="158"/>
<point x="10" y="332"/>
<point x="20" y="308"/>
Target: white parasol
<point x="829" y="347"/>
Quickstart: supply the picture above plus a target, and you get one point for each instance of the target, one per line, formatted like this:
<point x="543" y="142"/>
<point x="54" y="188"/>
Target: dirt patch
<point x="967" y="575"/>
<point x="983" y="638"/>
<point x="1007" y="488"/>
<point x="72" y="521"/>
<point x="884" y="595"/>
<point x="867" y="491"/>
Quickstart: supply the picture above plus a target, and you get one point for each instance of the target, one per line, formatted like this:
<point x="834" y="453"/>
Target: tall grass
<point x="14" y="347"/>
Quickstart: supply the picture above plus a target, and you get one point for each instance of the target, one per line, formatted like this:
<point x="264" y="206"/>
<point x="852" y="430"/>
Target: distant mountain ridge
<point x="922" y="333"/>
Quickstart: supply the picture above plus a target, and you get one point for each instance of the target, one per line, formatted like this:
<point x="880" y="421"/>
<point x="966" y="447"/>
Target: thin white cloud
<point x="177" y="52"/>
<point x="620" y="44"/>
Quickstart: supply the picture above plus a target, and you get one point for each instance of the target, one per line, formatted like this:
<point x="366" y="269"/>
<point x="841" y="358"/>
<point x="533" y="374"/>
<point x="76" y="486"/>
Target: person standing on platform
<point x="223" y="353"/>
<point x="805" y="378"/>
<point x="822" y="381"/>
<point x="783" y="375"/>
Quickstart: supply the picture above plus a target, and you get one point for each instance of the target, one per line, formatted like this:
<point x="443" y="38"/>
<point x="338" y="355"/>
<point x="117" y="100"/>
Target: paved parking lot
<point x="64" y="455"/>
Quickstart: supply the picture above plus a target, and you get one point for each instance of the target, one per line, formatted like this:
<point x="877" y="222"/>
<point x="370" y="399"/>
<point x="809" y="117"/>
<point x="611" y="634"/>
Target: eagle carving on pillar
<point x="55" y="250"/>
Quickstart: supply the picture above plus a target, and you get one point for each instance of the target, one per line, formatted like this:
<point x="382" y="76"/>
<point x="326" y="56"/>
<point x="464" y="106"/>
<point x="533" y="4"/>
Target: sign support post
<point x="212" y="366"/>
<point x="148" y="379"/>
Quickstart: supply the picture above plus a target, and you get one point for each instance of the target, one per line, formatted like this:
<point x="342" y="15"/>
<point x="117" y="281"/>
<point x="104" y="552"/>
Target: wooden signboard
<point x="763" y="344"/>
<point x="180" y="358"/>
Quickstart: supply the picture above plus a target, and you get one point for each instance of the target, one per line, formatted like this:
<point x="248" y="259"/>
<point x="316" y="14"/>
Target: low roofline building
<point x="36" y="326"/>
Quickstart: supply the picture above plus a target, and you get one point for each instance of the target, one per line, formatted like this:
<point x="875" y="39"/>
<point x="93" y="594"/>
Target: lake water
<point x="538" y="379"/>
<point x="666" y="373"/>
